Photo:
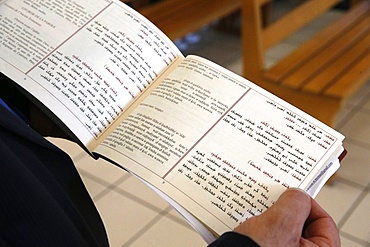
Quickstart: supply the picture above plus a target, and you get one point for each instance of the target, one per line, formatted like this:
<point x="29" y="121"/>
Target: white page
<point x="202" y="151"/>
<point x="87" y="61"/>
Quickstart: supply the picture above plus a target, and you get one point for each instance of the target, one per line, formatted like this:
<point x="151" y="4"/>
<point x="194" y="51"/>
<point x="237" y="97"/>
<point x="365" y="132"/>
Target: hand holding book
<point x="214" y="142"/>
<point x="294" y="220"/>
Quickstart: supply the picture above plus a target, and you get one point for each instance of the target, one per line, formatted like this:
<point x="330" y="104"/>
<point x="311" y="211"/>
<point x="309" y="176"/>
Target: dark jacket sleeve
<point x="233" y="239"/>
<point x="43" y="201"/>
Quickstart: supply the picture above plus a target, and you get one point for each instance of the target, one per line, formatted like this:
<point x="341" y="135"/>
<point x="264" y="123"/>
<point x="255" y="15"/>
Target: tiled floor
<point x="136" y="216"/>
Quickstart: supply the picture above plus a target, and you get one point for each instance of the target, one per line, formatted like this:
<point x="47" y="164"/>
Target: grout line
<point x="137" y="199"/>
<point x="353" y="207"/>
<point x="151" y="206"/>
<point x="365" y="110"/>
<point x="349" y="183"/>
<point x="354" y="110"/>
<point x="108" y="186"/>
<point x="79" y="156"/>
<point x="354" y="239"/>
<point x="147" y="227"/>
<point x="113" y="187"/>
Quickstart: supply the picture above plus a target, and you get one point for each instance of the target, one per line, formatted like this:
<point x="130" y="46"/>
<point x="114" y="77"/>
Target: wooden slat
<point x="327" y="55"/>
<point x="252" y="50"/>
<point x="339" y="67"/>
<point x="161" y="6"/>
<point x="158" y="12"/>
<point x="263" y="2"/>
<point x="294" y="20"/>
<point x="176" y="18"/>
<point x="302" y="54"/>
<point x="347" y="85"/>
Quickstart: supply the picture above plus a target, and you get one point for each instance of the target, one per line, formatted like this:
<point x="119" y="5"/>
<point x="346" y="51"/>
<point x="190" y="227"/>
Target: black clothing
<point x="233" y="239"/>
<point x="43" y="201"/>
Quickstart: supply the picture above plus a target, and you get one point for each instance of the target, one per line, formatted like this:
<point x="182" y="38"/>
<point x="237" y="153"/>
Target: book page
<point x="218" y="145"/>
<point x="87" y="61"/>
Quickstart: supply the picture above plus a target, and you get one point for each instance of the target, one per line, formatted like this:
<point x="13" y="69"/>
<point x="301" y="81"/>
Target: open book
<point x="207" y="139"/>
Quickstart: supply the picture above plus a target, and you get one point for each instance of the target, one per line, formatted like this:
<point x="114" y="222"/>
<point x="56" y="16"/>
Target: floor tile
<point x="176" y="217"/>
<point x="366" y="106"/>
<point x="69" y="147"/>
<point x="358" y="224"/>
<point x="92" y="185"/>
<point x="359" y="101"/>
<point x="359" y="96"/>
<point x="345" y="242"/>
<point x="100" y="168"/>
<point x="301" y="35"/>
<point x="280" y="50"/>
<point x="342" y="116"/>
<point x="123" y="217"/>
<point x="358" y="128"/>
<point x="330" y="195"/>
<point x="143" y="194"/>
<point x="355" y="166"/>
<point x="169" y="233"/>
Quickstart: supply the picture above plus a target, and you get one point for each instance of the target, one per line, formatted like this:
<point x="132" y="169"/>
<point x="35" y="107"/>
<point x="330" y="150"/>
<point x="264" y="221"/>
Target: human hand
<point x="294" y="220"/>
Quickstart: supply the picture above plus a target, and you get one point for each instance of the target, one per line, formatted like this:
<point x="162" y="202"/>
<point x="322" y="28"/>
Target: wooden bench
<point x="317" y="77"/>
<point x="323" y="72"/>
<point x="177" y="18"/>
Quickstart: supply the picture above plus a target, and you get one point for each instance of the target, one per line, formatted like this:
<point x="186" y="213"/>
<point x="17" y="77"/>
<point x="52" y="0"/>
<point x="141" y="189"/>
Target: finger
<point x="292" y="200"/>
<point x="282" y="223"/>
<point x="320" y="227"/>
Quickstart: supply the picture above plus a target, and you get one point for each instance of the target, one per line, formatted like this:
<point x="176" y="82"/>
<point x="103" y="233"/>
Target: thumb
<point x="282" y="223"/>
<point x="290" y="210"/>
